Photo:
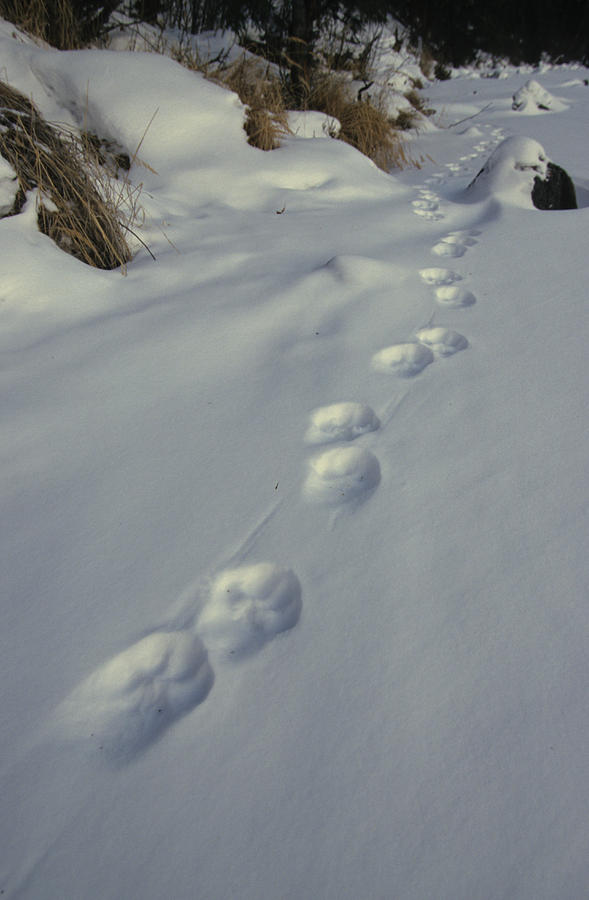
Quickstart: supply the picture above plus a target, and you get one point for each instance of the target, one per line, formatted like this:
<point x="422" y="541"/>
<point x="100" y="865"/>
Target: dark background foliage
<point x="453" y="30"/>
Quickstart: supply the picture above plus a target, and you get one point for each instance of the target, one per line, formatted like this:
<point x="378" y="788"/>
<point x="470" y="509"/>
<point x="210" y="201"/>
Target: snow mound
<point x="361" y="271"/>
<point x="510" y="171"/>
<point x="311" y="124"/>
<point x="532" y="99"/>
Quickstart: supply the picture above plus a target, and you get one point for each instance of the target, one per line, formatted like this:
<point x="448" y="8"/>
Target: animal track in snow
<point x="428" y="204"/>
<point x="466" y="238"/>
<point x="448" y="249"/>
<point x="248" y="606"/>
<point x="436" y="276"/>
<point x="405" y="360"/>
<point x="454" y="244"/>
<point x="442" y="341"/>
<point x="454" y="296"/>
<point x="340" y="422"/>
<point x="427" y="214"/>
<point x="340" y="475"/>
<point x="130" y="700"/>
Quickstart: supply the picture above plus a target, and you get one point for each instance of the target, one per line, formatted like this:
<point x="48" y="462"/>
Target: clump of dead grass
<point x="53" y="21"/>
<point x="406" y="119"/>
<point x="426" y="62"/>
<point x="363" y="123"/>
<point x="415" y="99"/>
<point x="369" y="129"/>
<point x="76" y="205"/>
<point x="260" y="90"/>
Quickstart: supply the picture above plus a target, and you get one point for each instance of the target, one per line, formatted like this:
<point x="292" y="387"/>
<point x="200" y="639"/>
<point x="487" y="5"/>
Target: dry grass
<point x="331" y="94"/>
<point x="53" y="21"/>
<point x="363" y="123"/>
<point x="415" y="99"/>
<point x="76" y="204"/>
<point x="266" y="118"/>
<point x="369" y="130"/>
<point x="426" y="63"/>
<point x="406" y="119"/>
<point x="261" y="129"/>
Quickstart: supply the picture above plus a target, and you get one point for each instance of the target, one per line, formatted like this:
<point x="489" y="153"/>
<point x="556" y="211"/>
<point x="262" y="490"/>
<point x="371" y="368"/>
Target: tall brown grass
<point x="260" y="90"/>
<point x="364" y="124"/>
<point x="76" y="204"/>
<point x="54" y="21"/>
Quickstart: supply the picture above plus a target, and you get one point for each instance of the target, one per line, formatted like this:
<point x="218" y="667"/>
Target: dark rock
<point x="555" y="191"/>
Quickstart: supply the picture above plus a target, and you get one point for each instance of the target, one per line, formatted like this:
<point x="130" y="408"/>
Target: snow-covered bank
<point x="294" y="518"/>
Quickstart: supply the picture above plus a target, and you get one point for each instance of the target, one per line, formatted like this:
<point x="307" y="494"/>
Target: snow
<point x="511" y="169"/>
<point x="294" y="517"/>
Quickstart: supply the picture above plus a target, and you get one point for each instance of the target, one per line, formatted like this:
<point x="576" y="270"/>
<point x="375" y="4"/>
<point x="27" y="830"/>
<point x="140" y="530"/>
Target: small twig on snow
<point x="460" y="121"/>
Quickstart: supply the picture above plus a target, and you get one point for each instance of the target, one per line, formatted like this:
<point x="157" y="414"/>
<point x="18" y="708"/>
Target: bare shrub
<point x="442" y="72"/>
<point x="76" y="205"/>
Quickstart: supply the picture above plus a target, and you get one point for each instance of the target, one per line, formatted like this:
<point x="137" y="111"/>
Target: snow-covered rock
<point x="532" y="98"/>
<point x="510" y="171"/>
<point x="520" y="172"/>
<point x="555" y="191"/>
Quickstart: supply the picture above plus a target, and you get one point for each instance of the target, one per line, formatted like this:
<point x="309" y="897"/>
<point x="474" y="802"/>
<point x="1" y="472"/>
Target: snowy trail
<point x="296" y="567"/>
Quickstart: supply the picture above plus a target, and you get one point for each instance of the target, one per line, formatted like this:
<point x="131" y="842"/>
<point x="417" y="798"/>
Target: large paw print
<point x="248" y="606"/>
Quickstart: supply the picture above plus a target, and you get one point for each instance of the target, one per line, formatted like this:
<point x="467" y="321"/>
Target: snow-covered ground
<point x="294" y="521"/>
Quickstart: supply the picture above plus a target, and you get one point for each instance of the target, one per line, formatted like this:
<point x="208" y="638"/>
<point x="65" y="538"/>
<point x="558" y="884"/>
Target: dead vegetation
<point x="65" y="24"/>
<point x="364" y="124"/>
<point x="54" y="22"/>
<point x="369" y="129"/>
<point x="77" y="205"/>
<point x="268" y="93"/>
<point x="260" y="90"/>
<point x="406" y="119"/>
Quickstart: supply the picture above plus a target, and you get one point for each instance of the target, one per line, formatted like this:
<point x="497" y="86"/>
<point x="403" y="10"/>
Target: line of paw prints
<point x="343" y="473"/>
<point x="432" y="342"/>
<point x="132" y="699"/>
<point x="427" y="204"/>
<point x="466" y="165"/>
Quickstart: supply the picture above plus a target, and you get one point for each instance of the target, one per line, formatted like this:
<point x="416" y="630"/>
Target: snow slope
<point x="294" y="518"/>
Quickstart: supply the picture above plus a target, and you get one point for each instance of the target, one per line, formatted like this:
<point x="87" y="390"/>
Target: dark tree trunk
<point x="301" y="38"/>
